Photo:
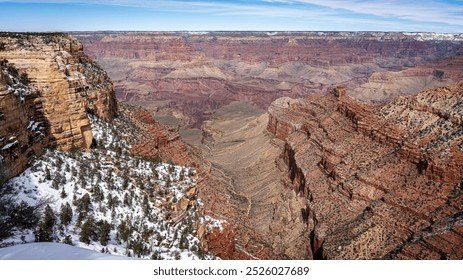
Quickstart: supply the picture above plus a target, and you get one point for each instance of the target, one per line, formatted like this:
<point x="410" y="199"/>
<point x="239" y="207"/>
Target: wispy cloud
<point x="449" y="12"/>
<point x="425" y="15"/>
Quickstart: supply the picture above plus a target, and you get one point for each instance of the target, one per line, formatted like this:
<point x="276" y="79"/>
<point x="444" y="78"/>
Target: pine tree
<point x="74" y="172"/>
<point x="45" y="230"/>
<point x="105" y="229"/>
<point x="63" y="193"/>
<point x="55" y="183"/>
<point x="87" y="231"/>
<point x="127" y="200"/>
<point x="66" y="214"/>
<point x="97" y="194"/>
<point x="84" y="203"/>
<point x="156" y="255"/>
<point x="125" y="230"/>
<point x="68" y="240"/>
<point x="182" y="175"/>
<point x="47" y="174"/>
<point x="146" y="205"/>
<point x="183" y="243"/>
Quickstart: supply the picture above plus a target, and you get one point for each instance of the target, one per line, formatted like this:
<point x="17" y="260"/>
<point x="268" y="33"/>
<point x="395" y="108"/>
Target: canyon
<point x="306" y="145"/>
<point x="180" y="76"/>
<point x="62" y="131"/>
<point x="361" y="173"/>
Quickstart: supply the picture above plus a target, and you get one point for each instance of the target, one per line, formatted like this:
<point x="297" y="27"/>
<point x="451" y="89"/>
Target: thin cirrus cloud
<point x="448" y="12"/>
<point x="387" y="15"/>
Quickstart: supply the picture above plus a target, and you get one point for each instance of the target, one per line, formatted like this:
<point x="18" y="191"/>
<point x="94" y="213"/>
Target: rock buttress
<point x="381" y="182"/>
<point x="47" y="87"/>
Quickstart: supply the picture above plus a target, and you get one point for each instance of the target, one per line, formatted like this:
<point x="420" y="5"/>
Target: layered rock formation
<point x="381" y="182"/>
<point x="47" y="87"/>
<point x="183" y="74"/>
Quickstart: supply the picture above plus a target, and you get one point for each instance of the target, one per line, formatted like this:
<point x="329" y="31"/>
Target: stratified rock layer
<point x="381" y="182"/>
<point x="182" y="75"/>
<point x="47" y="87"/>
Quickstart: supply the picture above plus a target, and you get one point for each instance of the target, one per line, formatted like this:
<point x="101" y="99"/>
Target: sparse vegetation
<point x="107" y="205"/>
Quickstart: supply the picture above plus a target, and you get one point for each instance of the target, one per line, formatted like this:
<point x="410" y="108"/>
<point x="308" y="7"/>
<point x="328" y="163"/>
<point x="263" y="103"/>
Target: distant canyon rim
<point x="182" y="76"/>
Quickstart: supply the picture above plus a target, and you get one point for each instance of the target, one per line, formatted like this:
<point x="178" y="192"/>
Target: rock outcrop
<point x="381" y="182"/>
<point x="47" y="86"/>
<point x="182" y="75"/>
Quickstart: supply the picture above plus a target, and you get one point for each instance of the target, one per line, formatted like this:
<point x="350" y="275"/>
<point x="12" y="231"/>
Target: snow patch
<point x="9" y="145"/>
<point x="212" y="223"/>
<point x="53" y="251"/>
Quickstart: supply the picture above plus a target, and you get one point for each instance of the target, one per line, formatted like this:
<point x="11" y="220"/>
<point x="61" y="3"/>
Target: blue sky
<point x="204" y="15"/>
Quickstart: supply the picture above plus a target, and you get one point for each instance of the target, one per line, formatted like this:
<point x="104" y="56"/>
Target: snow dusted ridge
<point x="108" y="201"/>
<point x="430" y="36"/>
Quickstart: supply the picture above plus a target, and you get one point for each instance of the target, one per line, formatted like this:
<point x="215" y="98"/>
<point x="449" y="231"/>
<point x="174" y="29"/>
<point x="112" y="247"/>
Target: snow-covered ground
<point x="108" y="201"/>
<point x="53" y="251"/>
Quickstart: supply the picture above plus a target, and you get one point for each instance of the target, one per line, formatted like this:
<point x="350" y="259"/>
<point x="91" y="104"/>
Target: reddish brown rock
<point x="219" y="241"/>
<point x="201" y="72"/>
<point x="152" y="139"/>
<point x="382" y="182"/>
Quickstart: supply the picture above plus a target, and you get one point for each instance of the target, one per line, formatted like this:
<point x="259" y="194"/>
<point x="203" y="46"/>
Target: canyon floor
<point x="245" y="156"/>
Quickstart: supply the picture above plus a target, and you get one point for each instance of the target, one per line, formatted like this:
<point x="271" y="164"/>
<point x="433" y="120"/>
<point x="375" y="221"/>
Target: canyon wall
<point x="381" y="181"/>
<point x="184" y="74"/>
<point x="47" y="86"/>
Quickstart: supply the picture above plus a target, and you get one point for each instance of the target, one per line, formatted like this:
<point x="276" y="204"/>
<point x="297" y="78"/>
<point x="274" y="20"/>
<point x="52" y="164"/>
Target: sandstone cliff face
<point x="196" y="73"/>
<point x="47" y="87"/>
<point x="381" y="182"/>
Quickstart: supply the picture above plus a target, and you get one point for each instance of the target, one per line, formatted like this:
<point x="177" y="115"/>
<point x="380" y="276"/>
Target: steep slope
<point x="47" y="86"/>
<point x="109" y="201"/>
<point x="381" y="182"/>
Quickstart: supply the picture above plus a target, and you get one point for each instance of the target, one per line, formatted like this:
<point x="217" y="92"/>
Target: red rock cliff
<point x="382" y="182"/>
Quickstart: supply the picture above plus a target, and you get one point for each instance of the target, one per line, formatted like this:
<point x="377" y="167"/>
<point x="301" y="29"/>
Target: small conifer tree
<point x="45" y="231"/>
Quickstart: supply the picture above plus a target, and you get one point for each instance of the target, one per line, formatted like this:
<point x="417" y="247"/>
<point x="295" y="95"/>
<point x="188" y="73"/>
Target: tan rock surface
<point x="63" y="83"/>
